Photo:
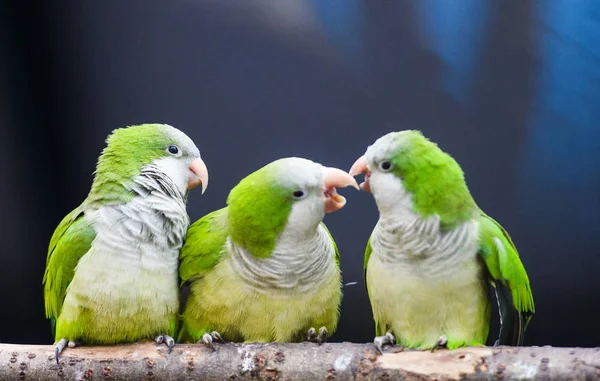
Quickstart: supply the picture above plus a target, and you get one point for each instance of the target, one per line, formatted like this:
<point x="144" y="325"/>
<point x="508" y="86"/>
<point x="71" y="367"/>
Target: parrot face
<point x="383" y="168"/>
<point x="291" y="193"/>
<point x="182" y="163"/>
<point x="155" y="150"/>
<point x="311" y="190"/>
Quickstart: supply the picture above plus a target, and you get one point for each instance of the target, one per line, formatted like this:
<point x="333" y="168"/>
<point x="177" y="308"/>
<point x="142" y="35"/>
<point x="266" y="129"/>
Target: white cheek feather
<point x="177" y="169"/>
<point x="390" y="195"/>
<point x="304" y="217"/>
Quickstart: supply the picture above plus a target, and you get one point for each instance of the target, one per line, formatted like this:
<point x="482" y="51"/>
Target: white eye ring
<point x="299" y="194"/>
<point x="173" y="150"/>
<point x="385" y="166"/>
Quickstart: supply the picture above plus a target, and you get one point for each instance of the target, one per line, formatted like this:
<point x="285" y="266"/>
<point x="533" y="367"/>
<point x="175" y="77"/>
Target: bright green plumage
<point x="258" y="231"/>
<point x="436" y="250"/>
<point x="248" y="264"/>
<point x="111" y="269"/>
<point x="71" y="240"/>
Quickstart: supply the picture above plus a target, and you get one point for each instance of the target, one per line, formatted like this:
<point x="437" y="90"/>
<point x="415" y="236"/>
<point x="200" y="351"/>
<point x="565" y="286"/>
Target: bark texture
<point x="303" y="361"/>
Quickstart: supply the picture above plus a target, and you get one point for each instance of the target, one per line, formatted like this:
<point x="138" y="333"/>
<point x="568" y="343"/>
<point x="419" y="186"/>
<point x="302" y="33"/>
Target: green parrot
<point x="265" y="268"/>
<point x="433" y="251"/>
<point x="112" y="267"/>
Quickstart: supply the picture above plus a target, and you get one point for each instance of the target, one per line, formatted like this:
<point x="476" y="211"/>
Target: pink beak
<point x="360" y="166"/>
<point x="199" y="175"/>
<point x="336" y="178"/>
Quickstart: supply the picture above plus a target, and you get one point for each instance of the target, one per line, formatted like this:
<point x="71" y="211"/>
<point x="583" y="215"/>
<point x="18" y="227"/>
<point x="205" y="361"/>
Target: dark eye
<point x="173" y="150"/>
<point x="385" y="165"/>
<point x="298" y="194"/>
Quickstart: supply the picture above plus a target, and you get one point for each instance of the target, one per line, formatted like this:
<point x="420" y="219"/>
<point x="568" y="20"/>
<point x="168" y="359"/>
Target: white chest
<point x="424" y="282"/>
<point x="407" y="241"/>
<point x="133" y="259"/>
<point x="301" y="266"/>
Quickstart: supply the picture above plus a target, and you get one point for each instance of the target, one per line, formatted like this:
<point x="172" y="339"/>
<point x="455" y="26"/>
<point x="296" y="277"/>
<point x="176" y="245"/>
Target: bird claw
<point x="320" y="338"/>
<point x="323" y="335"/>
<point x="209" y="338"/>
<point x="61" y="345"/>
<point x="217" y="337"/>
<point x="443" y="340"/>
<point x="58" y="347"/>
<point x="167" y="340"/>
<point x="312" y="334"/>
<point x="380" y="341"/>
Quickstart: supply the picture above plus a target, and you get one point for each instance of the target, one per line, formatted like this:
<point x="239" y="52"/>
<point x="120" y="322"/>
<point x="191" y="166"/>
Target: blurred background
<point x="510" y="88"/>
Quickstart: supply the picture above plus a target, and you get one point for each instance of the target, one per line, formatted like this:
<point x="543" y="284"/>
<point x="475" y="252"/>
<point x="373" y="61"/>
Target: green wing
<point x="71" y="240"/>
<point x="509" y="278"/>
<point x="337" y="252"/>
<point x="368" y="250"/>
<point x="203" y="245"/>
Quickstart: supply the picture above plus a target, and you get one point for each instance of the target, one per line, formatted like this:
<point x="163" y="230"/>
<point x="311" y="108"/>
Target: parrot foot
<point x="320" y="338"/>
<point x="380" y="341"/>
<point x="323" y="335"/>
<point x="168" y="340"/>
<point x="443" y="340"/>
<point x="62" y="343"/>
<point x="209" y="338"/>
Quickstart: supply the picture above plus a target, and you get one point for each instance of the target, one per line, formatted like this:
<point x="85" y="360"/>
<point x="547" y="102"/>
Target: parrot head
<point x="291" y="193"/>
<point x="158" y="150"/>
<point x="406" y="163"/>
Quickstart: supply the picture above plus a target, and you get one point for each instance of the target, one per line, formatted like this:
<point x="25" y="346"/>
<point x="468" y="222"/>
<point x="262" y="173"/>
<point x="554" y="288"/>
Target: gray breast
<point x="301" y="266"/>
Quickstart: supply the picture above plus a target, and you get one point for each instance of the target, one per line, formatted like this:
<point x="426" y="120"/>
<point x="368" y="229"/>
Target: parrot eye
<point x="385" y="166"/>
<point x="298" y="194"/>
<point x="173" y="150"/>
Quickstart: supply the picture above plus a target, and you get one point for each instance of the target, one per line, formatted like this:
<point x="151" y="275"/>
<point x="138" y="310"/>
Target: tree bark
<point x="303" y="361"/>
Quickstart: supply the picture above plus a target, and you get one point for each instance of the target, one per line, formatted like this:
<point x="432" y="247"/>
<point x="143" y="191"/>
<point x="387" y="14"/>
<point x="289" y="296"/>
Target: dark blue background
<point x="510" y="88"/>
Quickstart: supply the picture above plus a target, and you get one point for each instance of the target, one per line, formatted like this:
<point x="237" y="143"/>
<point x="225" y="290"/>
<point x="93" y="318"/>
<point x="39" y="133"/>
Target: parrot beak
<point x="360" y="166"/>
<point x="199" y="175"/>
<point x="336" y="178"/>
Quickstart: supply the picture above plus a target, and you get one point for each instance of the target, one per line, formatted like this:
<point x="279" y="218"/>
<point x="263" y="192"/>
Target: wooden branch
<point x="304" y="361"/>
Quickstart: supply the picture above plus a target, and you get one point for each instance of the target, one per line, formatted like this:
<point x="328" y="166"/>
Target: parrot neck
<point x="153" y="180"/>
<point x="109" y="191"/>
<point x="296" y="264"/>
<point x="406" y="237"/>
<point x="156" y="213"/>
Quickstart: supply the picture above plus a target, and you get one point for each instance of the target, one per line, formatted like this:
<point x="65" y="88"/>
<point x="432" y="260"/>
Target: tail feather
<point x="512" y="321"/>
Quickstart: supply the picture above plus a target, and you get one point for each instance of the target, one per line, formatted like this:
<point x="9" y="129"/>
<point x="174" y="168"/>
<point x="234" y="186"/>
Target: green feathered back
<point x="509" y="278"/>
<point x="71" y="240"/>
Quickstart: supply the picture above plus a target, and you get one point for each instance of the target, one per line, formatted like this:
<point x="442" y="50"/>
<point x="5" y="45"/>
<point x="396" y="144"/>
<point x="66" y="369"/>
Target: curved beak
<point x="199" y="175"/>
<point x="360" y="166"/>
<point x="336" y="178"/>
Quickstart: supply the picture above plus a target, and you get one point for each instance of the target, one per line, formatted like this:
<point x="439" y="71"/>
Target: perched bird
<point x="265" y="268"/>
<point x="433" y="251"/>
<point x="111" y="271"/>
